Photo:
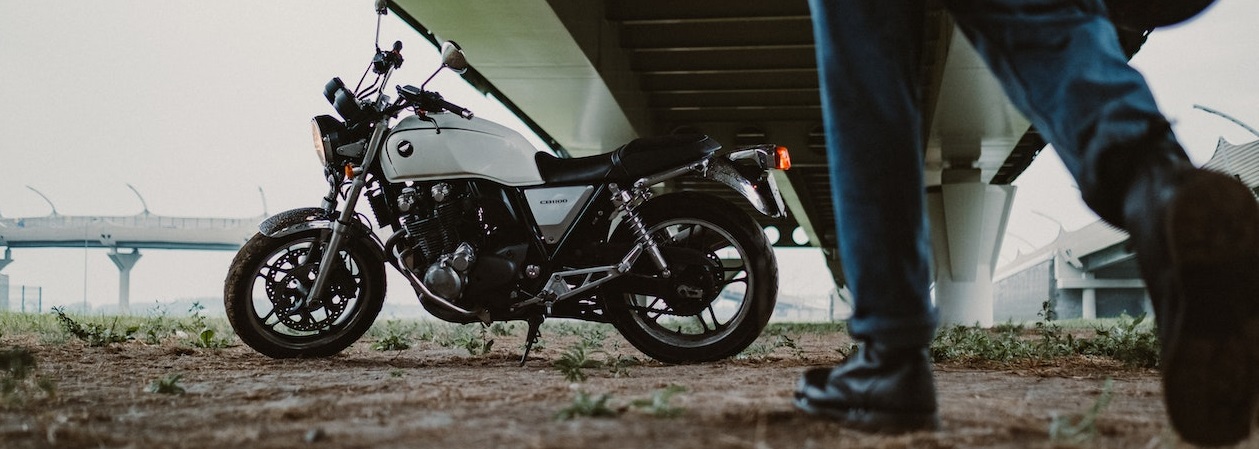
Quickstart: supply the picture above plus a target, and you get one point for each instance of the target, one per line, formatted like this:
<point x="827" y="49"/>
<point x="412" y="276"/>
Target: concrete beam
<point x="1090" y="283"/>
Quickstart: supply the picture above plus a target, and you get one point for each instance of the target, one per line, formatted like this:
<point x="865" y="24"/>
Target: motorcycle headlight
<point x="327" y="132"/>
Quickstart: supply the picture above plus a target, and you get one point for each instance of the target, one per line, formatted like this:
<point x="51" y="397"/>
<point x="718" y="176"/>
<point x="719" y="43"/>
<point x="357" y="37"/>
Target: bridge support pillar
<point x="967" y="220"/>
<point x="124" y="262"/>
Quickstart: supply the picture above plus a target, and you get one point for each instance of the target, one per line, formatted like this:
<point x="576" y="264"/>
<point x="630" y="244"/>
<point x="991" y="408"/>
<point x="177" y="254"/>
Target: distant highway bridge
<point x="134" y="232"/>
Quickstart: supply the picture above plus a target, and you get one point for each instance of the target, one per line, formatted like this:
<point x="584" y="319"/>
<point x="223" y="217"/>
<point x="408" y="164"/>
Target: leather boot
<point x="1196" y="237"/>
<point x="878" y="389"/>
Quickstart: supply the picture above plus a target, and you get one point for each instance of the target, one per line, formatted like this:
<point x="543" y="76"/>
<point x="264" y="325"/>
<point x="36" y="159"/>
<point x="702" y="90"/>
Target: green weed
<point x="94" y="334"/>
<point x="167" y="385"/>
<point x="476" y="342"/>
<point x="658" y="405"/>
<point x="586" y="405"/>
<point x="1080" y="428"/>
<point x="573" y="361"/>
<point x="207" y="339"/>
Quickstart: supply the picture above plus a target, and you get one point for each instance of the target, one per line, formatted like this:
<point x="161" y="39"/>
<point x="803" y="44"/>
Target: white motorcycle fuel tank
<point x="451" y="147"/>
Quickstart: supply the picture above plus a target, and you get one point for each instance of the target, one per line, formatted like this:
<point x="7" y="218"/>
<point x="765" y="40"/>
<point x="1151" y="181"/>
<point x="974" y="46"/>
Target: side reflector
<point x="782" y="159"/>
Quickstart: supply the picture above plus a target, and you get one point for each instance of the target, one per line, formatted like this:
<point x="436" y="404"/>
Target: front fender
<point x="297" y="220"/>
<point x="754" y="182"/>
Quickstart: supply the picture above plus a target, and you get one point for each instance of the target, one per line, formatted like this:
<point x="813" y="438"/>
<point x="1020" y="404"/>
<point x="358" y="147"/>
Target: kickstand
<point x="535" y="331"/>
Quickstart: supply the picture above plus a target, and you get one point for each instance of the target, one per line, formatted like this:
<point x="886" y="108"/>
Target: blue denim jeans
<point x="1059" y="62"/>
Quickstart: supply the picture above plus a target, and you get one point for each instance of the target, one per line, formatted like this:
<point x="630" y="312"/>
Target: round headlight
<point x="325" y="131"/>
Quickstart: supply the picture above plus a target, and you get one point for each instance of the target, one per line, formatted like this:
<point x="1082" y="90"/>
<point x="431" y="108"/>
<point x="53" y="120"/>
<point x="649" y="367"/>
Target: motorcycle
<point x="486" y="228"/>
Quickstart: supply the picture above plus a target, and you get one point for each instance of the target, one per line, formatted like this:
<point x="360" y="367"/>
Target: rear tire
<point x="269" y="275"/>
<point x="739" y="281"/>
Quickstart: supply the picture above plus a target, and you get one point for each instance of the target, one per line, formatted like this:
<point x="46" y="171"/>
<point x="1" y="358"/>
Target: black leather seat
<point x="641" y="157"/>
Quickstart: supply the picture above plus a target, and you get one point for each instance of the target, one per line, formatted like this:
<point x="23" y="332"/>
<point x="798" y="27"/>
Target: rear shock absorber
<point x="624" y="201"/>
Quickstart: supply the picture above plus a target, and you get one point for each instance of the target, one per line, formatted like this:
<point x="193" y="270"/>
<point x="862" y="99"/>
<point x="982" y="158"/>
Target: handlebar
<point x="431" y="101"/>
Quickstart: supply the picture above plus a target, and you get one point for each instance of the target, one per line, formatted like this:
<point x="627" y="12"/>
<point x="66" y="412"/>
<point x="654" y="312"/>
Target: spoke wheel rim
<point x="283" y="279"/>
<point x="724" y="313"/>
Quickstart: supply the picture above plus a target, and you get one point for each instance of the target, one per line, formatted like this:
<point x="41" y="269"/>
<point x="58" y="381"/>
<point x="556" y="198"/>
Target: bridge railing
<point x="135" y="221"/>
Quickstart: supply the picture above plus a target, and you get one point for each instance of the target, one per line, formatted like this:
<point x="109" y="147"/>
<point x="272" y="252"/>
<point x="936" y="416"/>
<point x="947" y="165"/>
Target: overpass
<point x="133" y="232"/>
<point x="590" y="75"/>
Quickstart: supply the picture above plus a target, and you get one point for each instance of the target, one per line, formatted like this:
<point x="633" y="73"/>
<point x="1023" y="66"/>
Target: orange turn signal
<point x="782" y="159"/>
<point x="349" y="171"/>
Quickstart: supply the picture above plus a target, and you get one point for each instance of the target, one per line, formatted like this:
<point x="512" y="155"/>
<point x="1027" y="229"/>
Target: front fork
<point x="342" y="224"/>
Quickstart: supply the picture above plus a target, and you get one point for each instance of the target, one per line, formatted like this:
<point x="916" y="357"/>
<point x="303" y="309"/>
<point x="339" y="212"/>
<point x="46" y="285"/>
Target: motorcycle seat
<point x="641" y="157"/>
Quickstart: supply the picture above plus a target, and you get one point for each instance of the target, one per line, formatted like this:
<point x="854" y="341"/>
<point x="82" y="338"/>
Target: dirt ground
<point x="431" y="396"/>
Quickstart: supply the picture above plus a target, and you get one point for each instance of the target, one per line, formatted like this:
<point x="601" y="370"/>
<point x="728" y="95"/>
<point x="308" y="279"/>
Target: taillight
<point x="782" y="158"/>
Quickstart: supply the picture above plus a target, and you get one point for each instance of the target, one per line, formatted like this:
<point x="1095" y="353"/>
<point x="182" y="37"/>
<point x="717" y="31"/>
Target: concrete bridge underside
<point x="591" y="75"/>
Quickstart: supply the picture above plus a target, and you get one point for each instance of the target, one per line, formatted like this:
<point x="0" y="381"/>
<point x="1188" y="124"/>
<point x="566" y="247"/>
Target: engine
<point x="453" y="242"/>
<point x="434" y="218"/>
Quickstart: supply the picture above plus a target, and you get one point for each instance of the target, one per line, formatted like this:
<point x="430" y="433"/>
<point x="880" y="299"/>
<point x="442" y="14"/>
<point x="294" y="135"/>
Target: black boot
<point x="878" y="389"/>
<point x="1196" y="236"/>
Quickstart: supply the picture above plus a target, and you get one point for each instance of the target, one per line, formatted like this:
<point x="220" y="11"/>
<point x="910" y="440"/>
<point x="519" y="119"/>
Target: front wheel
<point x="265" y="295"/>
<point x="722" y="286"/>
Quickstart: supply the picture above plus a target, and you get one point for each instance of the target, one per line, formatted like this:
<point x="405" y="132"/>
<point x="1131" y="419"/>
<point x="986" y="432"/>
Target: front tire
<point x="265" y="292"/>
<point x="737" y="275"/>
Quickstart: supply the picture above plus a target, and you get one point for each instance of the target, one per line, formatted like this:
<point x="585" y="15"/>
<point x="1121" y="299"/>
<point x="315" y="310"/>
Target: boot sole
<point x="1211" y="358"/>
<point x="872" y="421"/>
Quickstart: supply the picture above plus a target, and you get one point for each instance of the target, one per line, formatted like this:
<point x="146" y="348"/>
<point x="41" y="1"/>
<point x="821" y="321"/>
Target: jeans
<point x="1060" y="63"/>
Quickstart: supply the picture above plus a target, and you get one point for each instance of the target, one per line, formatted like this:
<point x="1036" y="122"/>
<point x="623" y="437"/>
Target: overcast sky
<point x="198" y="104"/>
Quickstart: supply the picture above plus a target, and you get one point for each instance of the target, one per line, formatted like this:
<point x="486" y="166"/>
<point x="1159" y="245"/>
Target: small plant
<point x="619" y="365"/>
<point x="196" y="321"/>
<point x="393" y="342"/>
<point x="778" y="338"/>
<point x="17" y="375"/>
<point x="586" y="405"/>
<point x="94" y="334"/>
<point x="207" y="339"/>
<point x="658" y="405"/>
<point x="502" y="330"/>
<point x="395" y="339"/>
<point x="573" y="361"/>
<point x="167" y="385"/>
<point x="397" y="373"/>
<point x="1078" y="429"/>
<point x="476" y="342"/>
<point x="155" y="328"/>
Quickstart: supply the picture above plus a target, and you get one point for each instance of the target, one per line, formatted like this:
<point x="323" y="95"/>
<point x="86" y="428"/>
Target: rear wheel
<point x="722" y="286"/>
<point x="265" y="295"/>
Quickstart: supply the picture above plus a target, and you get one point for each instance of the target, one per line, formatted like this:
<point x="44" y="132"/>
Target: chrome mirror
<point x="453" y="58"/>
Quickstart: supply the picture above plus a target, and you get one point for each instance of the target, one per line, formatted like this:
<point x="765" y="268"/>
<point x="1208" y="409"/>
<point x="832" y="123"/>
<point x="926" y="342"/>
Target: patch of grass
<point x="658" y="404"/>
<point x="772" y="339"/>
<point x="94" y="334"/>
<point x="503" y="329"/>
<point x="394" y="338"/>
<point x="586" y="405"/>
<point x="1082" y="427"/>
<point x="1127" y="340"/>
<point x="823" y="328"/>
<point x="476" y="342"/>
<point x="167" y="385"/>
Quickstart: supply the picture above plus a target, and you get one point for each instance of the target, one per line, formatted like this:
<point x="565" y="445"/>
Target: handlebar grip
<point x="462" y="111"/>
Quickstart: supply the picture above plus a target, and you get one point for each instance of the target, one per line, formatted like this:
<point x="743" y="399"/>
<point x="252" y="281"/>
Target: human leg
<point x="1196" y="233"/>
<point x="867" y="57"/>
